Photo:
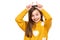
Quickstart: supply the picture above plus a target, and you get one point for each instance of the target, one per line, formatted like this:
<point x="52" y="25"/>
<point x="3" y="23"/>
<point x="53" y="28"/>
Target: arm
<point x="19" y="19"/>
<point x="48" y="20"/>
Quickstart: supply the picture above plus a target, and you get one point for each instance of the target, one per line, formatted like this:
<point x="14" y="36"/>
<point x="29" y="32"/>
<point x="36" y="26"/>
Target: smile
<point x="36" y="19"/>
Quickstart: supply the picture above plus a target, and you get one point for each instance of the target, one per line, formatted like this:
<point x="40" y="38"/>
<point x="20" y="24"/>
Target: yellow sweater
<point x="42" y="29"/>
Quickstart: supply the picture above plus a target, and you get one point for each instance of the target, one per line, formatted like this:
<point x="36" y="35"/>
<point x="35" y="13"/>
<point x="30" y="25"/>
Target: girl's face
<point x="36" y="16"/>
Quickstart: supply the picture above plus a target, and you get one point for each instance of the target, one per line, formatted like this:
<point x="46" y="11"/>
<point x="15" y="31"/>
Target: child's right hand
<point x="29" y="6"/>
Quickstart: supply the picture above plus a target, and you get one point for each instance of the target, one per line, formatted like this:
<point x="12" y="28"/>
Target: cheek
<point x="32" y="18"/>
<point x="39" y="16"/>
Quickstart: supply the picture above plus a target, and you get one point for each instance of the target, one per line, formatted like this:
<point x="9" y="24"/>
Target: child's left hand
<point x="39" y="5"/>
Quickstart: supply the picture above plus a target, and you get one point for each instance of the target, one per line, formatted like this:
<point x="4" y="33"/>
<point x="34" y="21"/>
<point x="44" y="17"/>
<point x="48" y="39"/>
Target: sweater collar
<point x="39" y="22"/>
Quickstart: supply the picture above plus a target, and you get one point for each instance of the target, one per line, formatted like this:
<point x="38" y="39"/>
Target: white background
<point x="9" y="9"/>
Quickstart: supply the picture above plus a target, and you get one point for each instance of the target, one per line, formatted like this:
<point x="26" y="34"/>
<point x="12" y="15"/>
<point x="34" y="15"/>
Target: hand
<point x="39" y="5"/>
<point x="29" y="6"/>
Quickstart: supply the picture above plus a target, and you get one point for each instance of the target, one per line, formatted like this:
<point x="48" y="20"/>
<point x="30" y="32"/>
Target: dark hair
<point x="28" y="31"/>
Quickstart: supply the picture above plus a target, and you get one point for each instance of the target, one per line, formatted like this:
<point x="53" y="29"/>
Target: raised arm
<point x="19" y="19"/>
<point x="48" y="19"/>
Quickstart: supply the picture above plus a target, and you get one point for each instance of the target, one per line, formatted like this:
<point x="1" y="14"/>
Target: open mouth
<point x="36" y="19"/>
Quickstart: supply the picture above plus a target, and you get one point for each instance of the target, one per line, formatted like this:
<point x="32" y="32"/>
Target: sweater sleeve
<point x="19" y="19"/>
<point x="48" y="20"/>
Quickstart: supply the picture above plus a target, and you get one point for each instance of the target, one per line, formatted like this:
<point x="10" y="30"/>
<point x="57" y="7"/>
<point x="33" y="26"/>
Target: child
<point x="34" y="30"/>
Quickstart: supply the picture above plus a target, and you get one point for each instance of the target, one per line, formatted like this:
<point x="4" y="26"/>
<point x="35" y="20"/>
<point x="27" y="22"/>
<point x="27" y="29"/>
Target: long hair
<point x="28" y="31"/>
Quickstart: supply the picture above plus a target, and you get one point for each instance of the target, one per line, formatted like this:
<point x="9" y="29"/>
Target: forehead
<point x="35" y="12"/>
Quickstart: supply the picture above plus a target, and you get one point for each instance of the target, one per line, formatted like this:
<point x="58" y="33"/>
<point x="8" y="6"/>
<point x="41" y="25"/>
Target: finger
<point x="31" y="4"/>
<point x="36" y="2"/>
